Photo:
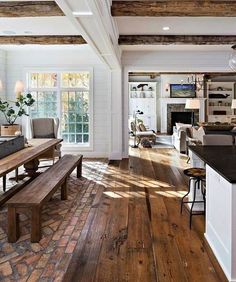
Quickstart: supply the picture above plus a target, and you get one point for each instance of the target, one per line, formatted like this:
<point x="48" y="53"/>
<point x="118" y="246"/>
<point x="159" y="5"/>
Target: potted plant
<point x="12" y="113"/>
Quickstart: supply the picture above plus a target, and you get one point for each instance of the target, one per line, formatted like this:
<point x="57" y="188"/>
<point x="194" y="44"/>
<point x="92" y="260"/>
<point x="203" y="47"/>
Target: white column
<point x="115" y="150"/>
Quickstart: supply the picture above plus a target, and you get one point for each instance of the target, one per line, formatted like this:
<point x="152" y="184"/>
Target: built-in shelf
<point x="145" y="101"/>
<point x="216" y="112"/>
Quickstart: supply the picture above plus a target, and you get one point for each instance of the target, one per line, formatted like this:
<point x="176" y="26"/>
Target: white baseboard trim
<point x="101" y="155"/>
<point x="115" y="156"/>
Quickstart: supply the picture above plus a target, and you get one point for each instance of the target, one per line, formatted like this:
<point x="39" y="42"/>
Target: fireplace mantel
<point x="165" y="101"/>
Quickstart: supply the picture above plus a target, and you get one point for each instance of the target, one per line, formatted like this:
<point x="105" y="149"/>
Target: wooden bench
<point x="33" y="196"/>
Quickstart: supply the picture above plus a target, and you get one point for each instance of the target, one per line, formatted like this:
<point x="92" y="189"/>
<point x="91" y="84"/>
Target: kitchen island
<point x="220" y="232"/>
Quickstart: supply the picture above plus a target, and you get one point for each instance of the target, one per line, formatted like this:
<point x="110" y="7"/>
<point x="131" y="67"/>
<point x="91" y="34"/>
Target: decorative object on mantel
<point x="192" y="104"/>
<point x="12" y="112"/>
<point x="182" y="91"/>
<point x="195" y="80"/>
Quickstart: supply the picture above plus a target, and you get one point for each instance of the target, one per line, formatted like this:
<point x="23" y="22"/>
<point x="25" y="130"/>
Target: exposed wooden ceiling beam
<point x="29" y="9"/>
<point x="212" y="74"/>
<point x="174" y="8"/>
<point x="177" y="40"/>
<point x="42" y="40"/>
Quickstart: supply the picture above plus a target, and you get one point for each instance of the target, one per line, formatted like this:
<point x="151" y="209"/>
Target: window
<point x="66" y="95"/>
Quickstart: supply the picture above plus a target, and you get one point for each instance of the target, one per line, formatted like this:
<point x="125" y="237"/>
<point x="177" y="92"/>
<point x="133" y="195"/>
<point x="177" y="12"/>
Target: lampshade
<point x="232" y="59"/>
<point x="192" y="104"/>
<point x="1" y="86"/>
<point x="19" y="86"/>
<point x="233" y="105"/>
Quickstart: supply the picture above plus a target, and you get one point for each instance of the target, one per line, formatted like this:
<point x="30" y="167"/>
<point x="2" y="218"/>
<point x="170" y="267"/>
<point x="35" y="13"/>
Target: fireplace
<point x="182" y="117"/>
<point x="178" y="113"/>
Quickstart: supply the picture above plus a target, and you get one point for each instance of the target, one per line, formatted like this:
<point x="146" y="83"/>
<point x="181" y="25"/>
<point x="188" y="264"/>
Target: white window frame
<point x="67" y="147"/>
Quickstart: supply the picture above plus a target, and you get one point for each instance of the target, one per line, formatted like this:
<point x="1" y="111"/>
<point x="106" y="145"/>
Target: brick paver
<point x="62" y="224"/>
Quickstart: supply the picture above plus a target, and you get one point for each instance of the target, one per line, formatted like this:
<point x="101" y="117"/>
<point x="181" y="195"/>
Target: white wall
<point x="18" y="61"/>
<point x="166" y="80"/>
<point x="179" y="61"/>
<point x="2" y="76"/>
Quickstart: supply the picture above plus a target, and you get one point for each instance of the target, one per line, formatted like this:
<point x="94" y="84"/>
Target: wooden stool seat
<point x="195" y="172"/>
<point x="196" y="175"/>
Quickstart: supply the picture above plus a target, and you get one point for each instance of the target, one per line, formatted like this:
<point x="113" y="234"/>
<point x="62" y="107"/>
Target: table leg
<point x="32" y="167"/>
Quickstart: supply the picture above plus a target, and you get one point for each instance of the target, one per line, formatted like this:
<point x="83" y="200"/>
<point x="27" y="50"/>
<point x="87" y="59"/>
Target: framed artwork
<point x="182" y="91"/>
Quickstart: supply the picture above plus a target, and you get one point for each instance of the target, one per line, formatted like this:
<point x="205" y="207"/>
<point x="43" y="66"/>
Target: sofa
<point x="186" y="134"/>
<point x="179" y="137"/>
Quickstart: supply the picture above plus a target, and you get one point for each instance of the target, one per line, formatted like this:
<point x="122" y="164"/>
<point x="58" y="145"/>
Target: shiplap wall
<point x="2" y="76"/>
<point x="18" y="61"/>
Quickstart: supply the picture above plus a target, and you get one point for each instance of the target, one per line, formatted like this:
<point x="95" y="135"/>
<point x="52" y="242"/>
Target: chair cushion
<point x="146" y="133"/>
<point x="43" y="128"/>
<point x="51" y="135"/>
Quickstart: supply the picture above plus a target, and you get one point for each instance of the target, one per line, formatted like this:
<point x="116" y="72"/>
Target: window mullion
<point x="59" y="104"/>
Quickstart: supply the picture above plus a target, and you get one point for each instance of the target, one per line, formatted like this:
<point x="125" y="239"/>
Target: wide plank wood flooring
<point x="135" y="232"/>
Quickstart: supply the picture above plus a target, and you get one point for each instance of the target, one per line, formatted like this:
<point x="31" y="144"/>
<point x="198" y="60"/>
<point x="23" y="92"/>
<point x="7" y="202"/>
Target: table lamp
<point x="233" y="105"/>
<point x="192" y="104"/>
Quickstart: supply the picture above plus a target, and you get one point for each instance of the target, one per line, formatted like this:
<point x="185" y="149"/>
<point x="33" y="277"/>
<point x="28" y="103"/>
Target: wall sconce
<point x="167" y="87"/>
<point x="1" y="86"/>
<point x="19" y="88"/>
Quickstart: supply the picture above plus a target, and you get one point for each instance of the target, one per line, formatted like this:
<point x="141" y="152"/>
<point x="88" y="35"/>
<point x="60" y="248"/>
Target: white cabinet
<point x="219" y="99"/>
<point x="221" y="221"/>
<point x="142" y="96"/>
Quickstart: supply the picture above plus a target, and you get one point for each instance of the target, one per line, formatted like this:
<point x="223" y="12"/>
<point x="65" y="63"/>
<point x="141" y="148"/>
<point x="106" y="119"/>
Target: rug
<point x="62" y="223"/>
<point x="163" y="141"/>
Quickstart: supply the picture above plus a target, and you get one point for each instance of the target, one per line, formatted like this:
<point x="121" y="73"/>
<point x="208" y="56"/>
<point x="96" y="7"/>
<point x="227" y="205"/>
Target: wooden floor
<point x="135" y="232"/>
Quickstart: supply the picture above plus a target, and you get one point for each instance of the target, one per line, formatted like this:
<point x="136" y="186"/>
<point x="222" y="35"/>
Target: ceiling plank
<point x="177" y="39"/>
<point x="42" y="40"/>
<point x="174" y="8"/>
<point x="29" y="9"/>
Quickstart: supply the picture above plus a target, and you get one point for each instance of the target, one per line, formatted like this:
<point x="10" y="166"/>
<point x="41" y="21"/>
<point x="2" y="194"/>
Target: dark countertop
<point x="220" y="158"/>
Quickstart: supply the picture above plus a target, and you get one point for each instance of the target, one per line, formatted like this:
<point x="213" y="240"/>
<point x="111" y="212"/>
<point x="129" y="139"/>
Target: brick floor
<point x="62" y="224"/>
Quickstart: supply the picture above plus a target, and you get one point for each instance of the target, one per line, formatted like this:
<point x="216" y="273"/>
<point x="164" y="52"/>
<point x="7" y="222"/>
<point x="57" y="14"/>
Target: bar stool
<point x="198" y="176"/>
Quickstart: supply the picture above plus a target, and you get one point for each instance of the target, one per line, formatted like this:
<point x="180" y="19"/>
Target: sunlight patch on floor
<point x="128" y="194"/>
<point x="171" y="194"/>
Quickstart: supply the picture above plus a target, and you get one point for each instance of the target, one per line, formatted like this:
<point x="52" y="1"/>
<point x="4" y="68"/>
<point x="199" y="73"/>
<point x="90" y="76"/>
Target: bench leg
<point x="17" y="174"/>
<point x="79" y="169"/>
<point x="13" y="225"/>
<point x="36" y="225"/>
<point x="64" y="190"/>
<point x="4" y="182"/>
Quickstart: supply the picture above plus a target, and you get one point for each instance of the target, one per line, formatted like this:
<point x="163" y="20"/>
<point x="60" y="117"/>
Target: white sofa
<point x="179" y="139"/>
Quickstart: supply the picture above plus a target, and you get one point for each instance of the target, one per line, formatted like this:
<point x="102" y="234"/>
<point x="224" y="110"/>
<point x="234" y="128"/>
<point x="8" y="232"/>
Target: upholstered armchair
<point x="142" y="132"/>
<point x="46" y="128"/>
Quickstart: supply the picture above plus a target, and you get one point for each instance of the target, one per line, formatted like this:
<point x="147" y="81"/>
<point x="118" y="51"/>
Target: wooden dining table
<point x="29" y="158"/>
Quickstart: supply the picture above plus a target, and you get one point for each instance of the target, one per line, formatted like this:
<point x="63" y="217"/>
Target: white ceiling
<point x="199" y="48"/>
<point x="178" y="25"/>
<point x="81" y="48"/>
<point x="37" y="26"/>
